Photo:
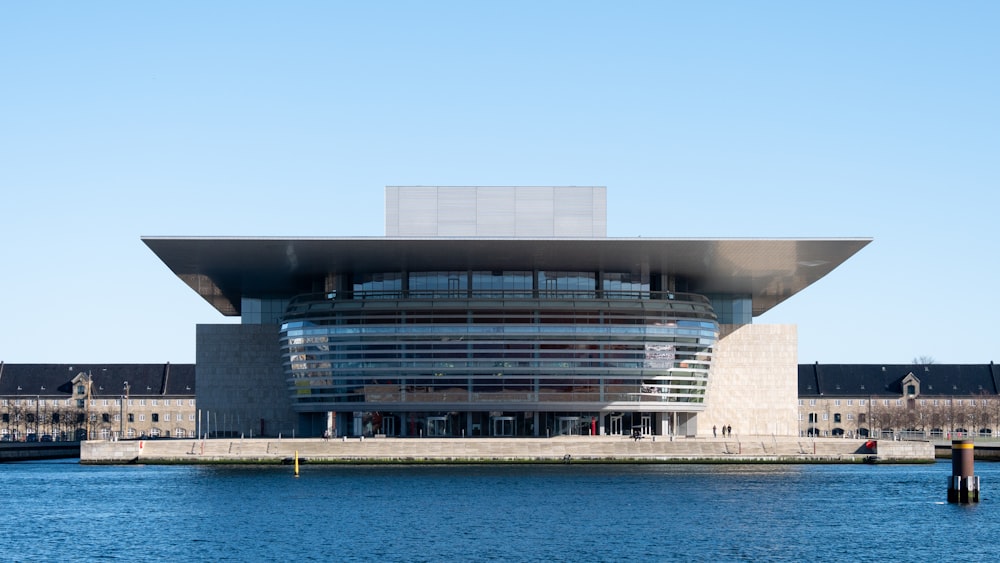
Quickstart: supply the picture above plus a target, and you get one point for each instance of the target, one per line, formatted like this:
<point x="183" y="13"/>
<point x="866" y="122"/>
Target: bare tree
<point x="923" y="360"/>
<point x="984" y="414"/>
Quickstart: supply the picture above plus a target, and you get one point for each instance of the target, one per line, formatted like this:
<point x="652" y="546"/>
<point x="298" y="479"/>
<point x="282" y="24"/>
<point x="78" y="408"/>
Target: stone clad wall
<point x="753" y="385"/>
<point x="563" y="449"/>
<point x="241" y="380"/>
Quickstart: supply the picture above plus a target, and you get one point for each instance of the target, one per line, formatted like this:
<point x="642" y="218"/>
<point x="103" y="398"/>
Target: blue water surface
<point x="66" y="512"/>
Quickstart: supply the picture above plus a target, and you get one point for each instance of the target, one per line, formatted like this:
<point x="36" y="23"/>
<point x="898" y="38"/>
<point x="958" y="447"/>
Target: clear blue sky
<point x="703" y="119"/>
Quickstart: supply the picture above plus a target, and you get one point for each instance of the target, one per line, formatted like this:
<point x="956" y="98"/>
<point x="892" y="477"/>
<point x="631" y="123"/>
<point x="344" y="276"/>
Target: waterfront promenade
<point x="566" y="449"/>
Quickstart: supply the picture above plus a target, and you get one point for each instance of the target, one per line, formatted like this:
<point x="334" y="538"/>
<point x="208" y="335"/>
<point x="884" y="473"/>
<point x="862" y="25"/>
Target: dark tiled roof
<point x="886" y="379"/>
<point x="54" y="379"/>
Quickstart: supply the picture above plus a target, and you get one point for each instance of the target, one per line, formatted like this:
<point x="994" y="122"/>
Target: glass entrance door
<point x="569" y="425"/>
<point x="437" y="426"/>
<point x="647" y="425"/>
<point x="615" y="428"/>
<point x="503" y="425"/>
<point x="389" y="425"/>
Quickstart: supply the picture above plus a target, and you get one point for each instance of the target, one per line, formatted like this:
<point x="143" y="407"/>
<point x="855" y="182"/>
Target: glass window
<point x="449" y="284"/>
<point x="836" y="402"/>
<point x="502" y="284"/>
<point x="566" y="284"/>
<point x="624" y="286"/>
<point x="375" y="286"/>
<point x="812" y="402"/>
<point x="732" y="309"/>
<point x="850" y="402"/>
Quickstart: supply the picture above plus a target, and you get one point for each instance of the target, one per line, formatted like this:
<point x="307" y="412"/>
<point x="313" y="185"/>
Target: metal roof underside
<point x="223" y="270"/>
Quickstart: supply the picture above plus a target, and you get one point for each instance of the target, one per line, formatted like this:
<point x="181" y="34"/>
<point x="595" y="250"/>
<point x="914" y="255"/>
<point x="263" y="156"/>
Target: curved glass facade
<point x="455" y="342"/>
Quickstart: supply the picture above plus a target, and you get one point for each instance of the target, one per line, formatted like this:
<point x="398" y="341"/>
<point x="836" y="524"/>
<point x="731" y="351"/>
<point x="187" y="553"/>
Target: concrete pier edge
<point x="466" y="451"/>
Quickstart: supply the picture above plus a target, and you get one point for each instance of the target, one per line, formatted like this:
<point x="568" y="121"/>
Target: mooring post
<point x="963" y="486"/>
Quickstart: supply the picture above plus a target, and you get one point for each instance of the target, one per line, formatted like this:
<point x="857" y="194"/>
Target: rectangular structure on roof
<point x="492" y="211"/>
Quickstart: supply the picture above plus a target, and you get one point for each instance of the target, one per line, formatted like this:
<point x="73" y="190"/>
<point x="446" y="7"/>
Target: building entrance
<point x="646" y="424"/>
<point x="615" y="425"/>
<point x="389" y="425"/>
<point x="437" y="426"/>
<point x="503" y="425"/>
<point x="568" y="425"/>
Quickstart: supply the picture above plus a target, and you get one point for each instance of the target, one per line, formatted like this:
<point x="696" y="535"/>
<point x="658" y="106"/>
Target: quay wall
<point x="26" y="451"/>
<point x="590" y="449"/>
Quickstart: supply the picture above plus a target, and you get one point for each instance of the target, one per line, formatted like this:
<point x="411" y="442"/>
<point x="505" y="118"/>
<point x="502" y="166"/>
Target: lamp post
<point x="18" y="411"/>
<point x="87" y="427"/>
<point x="121" y="410"/>
<point x="42" y="388"/>
<point x="871" y="425"/>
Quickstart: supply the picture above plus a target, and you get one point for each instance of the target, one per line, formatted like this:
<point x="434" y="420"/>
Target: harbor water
<point x="61" y="511"/>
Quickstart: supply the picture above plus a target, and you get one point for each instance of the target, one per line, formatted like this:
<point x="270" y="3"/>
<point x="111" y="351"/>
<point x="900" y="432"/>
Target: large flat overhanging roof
<point x="223" y="270"/>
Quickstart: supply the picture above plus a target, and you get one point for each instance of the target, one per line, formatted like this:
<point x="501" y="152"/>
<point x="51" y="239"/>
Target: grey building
<point x="498" y="312"/>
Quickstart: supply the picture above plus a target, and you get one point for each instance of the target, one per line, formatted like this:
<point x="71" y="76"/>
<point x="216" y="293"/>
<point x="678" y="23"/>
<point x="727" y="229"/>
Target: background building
<point x="70" y="402"/>
<point x="498" y="311"/>
<point x="916" y="401"/>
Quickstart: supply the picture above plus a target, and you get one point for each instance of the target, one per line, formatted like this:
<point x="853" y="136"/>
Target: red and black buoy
<point x="963" y="486"/>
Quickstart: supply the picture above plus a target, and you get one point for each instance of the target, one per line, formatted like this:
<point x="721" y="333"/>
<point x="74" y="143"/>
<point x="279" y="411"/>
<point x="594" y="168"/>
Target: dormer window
<point x="911" y="386"/>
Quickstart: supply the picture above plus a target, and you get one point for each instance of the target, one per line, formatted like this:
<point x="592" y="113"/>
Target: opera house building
<point x="497" y="311"/>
